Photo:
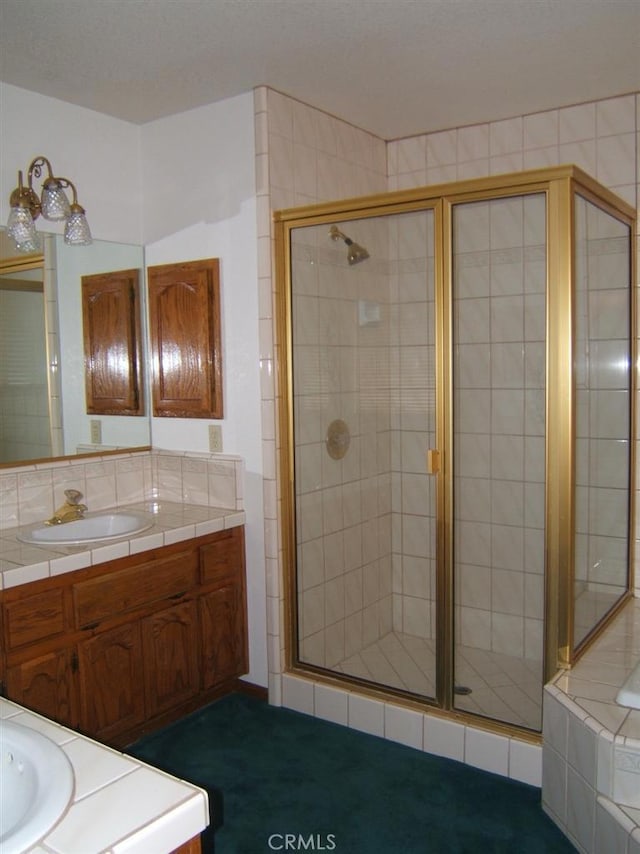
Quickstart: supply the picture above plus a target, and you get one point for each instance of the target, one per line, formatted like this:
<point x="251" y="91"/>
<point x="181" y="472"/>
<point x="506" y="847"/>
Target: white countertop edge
<point x="169" y="831"/>
<point x="173" y="826"/>
<point x="584" y="707"/>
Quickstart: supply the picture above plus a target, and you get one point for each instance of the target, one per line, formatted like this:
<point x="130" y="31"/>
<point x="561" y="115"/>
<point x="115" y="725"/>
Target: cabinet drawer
<point x="34" y="618"/>
<point x="224" y="557"/>
<point x="133" y="587"/>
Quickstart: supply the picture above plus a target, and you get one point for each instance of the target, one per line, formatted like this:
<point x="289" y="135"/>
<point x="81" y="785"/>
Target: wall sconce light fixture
<point x="53" y="204"/>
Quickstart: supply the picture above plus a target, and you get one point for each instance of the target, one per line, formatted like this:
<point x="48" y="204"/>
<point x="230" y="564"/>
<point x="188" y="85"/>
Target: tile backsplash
<point x="32" y="492"/>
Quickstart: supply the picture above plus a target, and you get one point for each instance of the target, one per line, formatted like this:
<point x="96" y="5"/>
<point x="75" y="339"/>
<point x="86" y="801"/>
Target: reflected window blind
<point x="22" y="338"/>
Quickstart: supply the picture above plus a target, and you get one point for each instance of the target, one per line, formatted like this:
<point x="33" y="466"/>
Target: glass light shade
<point x="55" y="204"/>
<point x="76" y="230"/>
<point x="29" y="246"/>
<point x="20" y="225"/>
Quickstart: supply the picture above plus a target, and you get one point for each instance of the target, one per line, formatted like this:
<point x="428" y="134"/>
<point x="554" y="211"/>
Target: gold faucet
<point x="70" y="511"/>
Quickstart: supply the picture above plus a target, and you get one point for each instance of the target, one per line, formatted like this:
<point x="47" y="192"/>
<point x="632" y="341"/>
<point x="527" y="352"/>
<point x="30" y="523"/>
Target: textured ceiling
<point x="392" y="67"/>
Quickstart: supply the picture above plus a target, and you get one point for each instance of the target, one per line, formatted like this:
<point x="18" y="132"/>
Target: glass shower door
<point x="498" y="328"/>
<point x="363" y="397"/>
<point x="603" y="388"/>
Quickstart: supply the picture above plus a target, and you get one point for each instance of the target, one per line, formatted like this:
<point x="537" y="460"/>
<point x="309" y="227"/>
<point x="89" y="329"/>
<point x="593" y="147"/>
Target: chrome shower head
<point x="356" y="253"/>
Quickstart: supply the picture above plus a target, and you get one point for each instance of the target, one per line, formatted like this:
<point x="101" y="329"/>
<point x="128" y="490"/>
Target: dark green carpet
<point x="282" y="772"/>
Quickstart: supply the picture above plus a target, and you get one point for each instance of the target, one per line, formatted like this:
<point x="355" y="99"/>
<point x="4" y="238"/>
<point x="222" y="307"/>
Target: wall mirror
<point x="43" y="411"/>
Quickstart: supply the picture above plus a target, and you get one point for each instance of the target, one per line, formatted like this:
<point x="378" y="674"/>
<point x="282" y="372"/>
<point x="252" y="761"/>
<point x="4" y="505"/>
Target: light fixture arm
<point x="35" y="168"/>
<point x="26" y="197"/>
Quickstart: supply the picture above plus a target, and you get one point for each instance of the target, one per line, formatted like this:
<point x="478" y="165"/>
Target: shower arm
<point x="336" y="234"/>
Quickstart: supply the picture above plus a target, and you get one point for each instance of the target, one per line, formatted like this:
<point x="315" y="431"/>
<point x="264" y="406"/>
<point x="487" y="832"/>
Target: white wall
<point x="199" y="202"/>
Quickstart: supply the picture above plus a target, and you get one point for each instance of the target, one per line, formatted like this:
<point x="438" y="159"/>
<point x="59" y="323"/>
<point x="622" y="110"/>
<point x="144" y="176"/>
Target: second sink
<point x="94" y="528"/>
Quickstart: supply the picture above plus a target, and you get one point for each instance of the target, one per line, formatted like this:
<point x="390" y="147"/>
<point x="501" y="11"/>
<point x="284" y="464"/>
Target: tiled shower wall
<point x="305" y="156"/>
<point x="364" y="353"/>
<point x="411" y="272"/>
<point x="499" y="452"/>
<point x="341" y="372"/>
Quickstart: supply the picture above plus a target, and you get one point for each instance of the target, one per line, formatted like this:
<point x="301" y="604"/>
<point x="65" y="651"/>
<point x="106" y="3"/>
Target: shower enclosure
<point x="457" y="436"/>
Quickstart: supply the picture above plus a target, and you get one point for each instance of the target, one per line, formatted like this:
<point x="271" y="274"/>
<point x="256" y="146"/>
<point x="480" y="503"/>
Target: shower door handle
<point x="433" y="461"/>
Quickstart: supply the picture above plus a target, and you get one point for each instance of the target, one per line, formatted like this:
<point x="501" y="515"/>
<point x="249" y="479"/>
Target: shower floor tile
<point x="503" y="687"/>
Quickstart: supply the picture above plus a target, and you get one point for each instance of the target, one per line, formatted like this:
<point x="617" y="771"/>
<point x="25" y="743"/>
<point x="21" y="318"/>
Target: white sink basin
<point x="36" y="784"/>
<point x="94" y="528"/>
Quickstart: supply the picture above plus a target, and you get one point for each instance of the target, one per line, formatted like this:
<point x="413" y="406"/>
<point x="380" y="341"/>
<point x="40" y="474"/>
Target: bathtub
<point x="629" y="694"/>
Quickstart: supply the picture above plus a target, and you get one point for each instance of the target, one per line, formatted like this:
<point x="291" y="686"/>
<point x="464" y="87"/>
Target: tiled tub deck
<point x="591" y="753"/>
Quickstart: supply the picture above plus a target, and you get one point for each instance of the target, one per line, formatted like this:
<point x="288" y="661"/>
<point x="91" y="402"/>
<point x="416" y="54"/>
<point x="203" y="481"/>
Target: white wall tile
<point x="441" y="149"/>
<point x="332" y="704"/>
<point x="554" y="783"/>
<point x="444" y="738"/>
<point x="612" y="828"/>
<point x="577" y="123"/>
<point x="615" y="115"/>
<point x="473" y="143"/>
<point x="616" y="159"/>
<point x="582" y="153"/>
<point x="581" y="806"/>
<point x="525" y="762"/>
<point x="403" y="725"/>
<point x="540" y="130"/>
<point x="487" y="751"/>
<point x="297" y="694"/>
<point x="556" y="723"/>
<point x="366" y="715"/>
<point x="506" y="136"/>
<point x="582" y="749"/>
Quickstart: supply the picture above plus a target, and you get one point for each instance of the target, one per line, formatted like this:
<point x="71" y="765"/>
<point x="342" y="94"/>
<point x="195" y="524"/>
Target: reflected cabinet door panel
<point x="112" y="344"/>
<point x="184" y="312"/>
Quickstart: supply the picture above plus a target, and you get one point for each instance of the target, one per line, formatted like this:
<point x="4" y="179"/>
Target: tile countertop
<point x="119" y="804"/>
<point x="594" y="682"/>
<point x="173" y="522"/>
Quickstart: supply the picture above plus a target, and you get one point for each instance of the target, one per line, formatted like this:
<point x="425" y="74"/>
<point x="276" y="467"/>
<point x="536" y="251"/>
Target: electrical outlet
<point x="96" y="432"/>
<point x="215" y="438"/>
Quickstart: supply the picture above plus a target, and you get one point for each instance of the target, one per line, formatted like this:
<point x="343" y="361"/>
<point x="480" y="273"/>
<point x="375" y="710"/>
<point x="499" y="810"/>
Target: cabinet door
<point x="46" y="684"/>
<point x="111" y="678"/>
<point x="223" y="629"/>
<point x="170" y="646"/>
<point x="112" y="343"/>
<point x="184" y="317"/>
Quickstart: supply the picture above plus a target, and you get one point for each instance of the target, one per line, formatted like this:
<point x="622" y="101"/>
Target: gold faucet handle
<point x="73" y="496"/>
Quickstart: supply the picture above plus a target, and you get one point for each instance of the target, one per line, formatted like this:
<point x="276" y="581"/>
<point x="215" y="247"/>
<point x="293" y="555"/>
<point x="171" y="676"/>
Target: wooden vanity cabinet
<point x="172" y="674"/>
<point x="111" y="672"/>
<point x="39" y="665"/>
<point x="47" y="685"/>
<point x="119" y="648"/>
<point x="222" y="612"/>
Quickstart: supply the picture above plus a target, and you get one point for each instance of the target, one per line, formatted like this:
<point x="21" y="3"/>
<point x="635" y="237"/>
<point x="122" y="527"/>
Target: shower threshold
<point x="502" y="687"/>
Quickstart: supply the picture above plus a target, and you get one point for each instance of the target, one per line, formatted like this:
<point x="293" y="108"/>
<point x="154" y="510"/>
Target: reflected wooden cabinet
<point x="184" y="316"/>
<point x="112" y="343"/>
<point x="122" y="647"/>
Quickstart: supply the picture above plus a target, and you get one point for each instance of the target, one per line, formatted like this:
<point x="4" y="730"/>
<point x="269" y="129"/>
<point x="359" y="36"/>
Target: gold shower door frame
<point x="560" y="186"/>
